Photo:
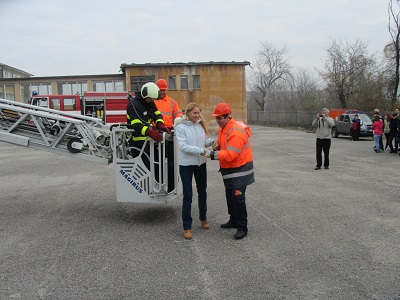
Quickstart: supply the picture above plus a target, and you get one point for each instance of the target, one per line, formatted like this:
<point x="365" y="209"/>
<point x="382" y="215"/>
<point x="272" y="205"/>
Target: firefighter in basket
<point x="141" y="112"/>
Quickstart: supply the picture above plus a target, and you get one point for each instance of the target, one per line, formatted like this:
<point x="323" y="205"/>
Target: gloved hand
<point x="162" y="127"/>
<point x="154" y="134"/>
<point x="215" y="145"/>
<point x="206" y="153"/>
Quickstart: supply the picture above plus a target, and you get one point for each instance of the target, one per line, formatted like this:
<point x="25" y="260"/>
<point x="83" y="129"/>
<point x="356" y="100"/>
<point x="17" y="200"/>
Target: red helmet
<point x="162" y="84"/>
<point x="222" y="109"/>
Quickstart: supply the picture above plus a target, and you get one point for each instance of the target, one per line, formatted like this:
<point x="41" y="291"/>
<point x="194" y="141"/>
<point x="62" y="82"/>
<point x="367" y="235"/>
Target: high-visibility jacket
<point x="169" y="109"/>
<point x="235" y="155"/>
<point x="140" y="115"/>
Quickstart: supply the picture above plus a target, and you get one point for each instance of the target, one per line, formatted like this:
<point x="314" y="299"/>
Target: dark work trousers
<point x="357" y="134"/>
<point x="392" y="136"/>
<point x="200" y="176"/>
<point x="236" y="202"/>
<point x="170" y="157"/>
<point x="323" y="145"/>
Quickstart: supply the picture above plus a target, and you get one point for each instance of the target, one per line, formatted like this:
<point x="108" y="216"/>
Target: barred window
<point x="138" y="81"/>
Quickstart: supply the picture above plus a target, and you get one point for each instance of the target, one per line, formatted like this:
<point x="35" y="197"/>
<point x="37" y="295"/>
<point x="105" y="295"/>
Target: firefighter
<point x="168" y="107"/>
<point x="33" y="101"/>
<point x="170" y="110"/>
<point x="235" y="157"/>
<point x="141" y="111"/>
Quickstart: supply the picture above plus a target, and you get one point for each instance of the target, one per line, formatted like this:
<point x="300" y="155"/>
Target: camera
<point x="320" y="115"/>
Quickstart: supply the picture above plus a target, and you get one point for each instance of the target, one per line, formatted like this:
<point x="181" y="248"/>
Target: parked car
<point x="345" y="122"/>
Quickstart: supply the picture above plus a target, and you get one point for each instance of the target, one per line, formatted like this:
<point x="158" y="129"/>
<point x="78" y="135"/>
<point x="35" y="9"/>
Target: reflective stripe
<point x="246" y="146"/>
<point x="177" y="113"/>
<point x="135" y="121"/>
<point x="157" y="112"/>
<point x="144" y="129"/>
<point x="238" y="174"/>
<point x="234" y="149"/>
<point x="167" y="113"/>
<point x="138" y="138"/>
<point x="172" y="106"/>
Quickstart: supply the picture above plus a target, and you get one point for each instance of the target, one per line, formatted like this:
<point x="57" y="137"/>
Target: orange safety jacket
<point x="235" y="155"/>
<point x="169" y="109"/>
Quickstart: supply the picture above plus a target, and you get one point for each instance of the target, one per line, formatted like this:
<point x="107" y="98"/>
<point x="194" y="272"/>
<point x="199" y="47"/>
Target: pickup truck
<point x="345" y="121"/>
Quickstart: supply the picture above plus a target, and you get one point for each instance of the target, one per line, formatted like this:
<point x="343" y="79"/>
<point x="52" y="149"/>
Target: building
<point x="206" y="83"/>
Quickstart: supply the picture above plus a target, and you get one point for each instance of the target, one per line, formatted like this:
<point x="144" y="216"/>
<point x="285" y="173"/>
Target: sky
<point x="75" y="37"/>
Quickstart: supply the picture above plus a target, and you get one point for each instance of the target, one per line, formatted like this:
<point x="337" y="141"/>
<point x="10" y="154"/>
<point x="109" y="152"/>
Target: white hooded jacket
<point x="192" y="140"/>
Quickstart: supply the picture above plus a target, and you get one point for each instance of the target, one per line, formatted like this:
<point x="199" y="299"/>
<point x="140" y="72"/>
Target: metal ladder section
<point x="55" y="131"/>
<point x="88" y="138"/>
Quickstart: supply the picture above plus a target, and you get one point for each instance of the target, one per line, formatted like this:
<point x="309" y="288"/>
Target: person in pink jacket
<point x="377" y="128"/>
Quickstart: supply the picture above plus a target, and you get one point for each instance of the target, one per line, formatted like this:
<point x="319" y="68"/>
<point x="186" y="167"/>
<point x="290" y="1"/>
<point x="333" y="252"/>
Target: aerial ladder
<point x="87" y="138"/>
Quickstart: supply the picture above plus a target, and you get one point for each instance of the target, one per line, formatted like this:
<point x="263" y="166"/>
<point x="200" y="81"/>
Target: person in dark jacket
<point x="356" y="128"/>
<point x="393" y="132"/>
<point x="141" y="112"/>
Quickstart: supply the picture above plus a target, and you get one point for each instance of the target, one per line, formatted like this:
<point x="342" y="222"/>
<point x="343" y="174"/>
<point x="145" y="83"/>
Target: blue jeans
<point x="200" y="176"/>
<point x="377" y="139"/>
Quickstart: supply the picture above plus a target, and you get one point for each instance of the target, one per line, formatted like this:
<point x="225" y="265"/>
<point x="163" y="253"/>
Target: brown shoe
<point x="204" y="224"/>
<point x="187" y="234"/>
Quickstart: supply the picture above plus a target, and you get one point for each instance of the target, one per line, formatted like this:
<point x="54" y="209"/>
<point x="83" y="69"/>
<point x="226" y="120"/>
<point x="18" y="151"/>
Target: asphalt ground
<point x="326" y="234"/>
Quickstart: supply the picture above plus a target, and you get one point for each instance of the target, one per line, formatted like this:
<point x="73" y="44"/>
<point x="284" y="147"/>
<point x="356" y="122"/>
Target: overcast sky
<point x="75" y="37"/>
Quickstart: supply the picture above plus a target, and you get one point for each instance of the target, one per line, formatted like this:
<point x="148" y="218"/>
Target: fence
<point x="302" y="119"/>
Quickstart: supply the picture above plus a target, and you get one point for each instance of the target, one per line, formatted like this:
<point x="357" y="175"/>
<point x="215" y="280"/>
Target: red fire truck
<point x="108" y="106"/>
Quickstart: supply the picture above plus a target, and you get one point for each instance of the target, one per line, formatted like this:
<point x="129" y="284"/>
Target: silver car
<point x="345" y="122"/>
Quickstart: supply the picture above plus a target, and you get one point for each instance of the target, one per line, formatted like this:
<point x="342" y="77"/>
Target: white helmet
<point x="151" y="90"/>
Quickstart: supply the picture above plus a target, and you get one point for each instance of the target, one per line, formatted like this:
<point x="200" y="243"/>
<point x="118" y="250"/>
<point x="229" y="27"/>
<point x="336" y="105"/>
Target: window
<point x="69" y="104"/>
<point x="8" y="74"/>
<point x="347" y="119"/>
<point x="71" y="88"/>
<point x="43" y="102"/>
<point x="184" y="82"/>
<point x="7" y="92"/>
<point x="43" y="88"/>
<point x="55" y="103"/>
<point x="138" y="81"/>
<point x="108" y="86"/>
<point x="172" y="82"/>
<point x="196" y="82"/>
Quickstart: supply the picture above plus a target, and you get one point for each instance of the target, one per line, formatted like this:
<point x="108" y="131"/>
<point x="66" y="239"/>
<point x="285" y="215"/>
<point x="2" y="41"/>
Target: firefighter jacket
<point x="235" y="155"/>
<point x="169" y="109"/>
<point x="140" y="115"/>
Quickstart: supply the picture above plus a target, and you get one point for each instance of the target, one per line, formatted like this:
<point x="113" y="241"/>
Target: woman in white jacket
<point x="192" y="137"/>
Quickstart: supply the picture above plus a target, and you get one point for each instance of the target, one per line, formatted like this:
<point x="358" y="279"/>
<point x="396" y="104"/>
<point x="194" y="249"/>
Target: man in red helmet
<point x="235" y="157"/>
<point x="169" y="109"/>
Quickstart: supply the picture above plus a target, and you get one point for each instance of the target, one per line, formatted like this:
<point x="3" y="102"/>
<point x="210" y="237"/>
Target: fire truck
<point x="110" y="107"/>
<point x="66" y="132"/>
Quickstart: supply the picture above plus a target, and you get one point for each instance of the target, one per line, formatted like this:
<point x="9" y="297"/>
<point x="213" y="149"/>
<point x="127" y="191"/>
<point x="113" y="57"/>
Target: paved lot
<point x="327" y="234"/>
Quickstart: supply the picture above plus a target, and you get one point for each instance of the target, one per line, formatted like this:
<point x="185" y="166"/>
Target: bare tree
<point x="346" y="67"/>
<point x="271" y="67"/>
<point x="307" y="93"/>
<point x="394" y="47"/>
